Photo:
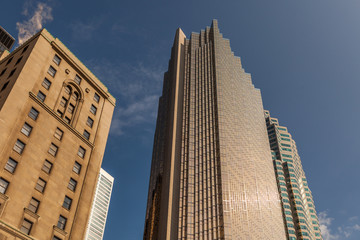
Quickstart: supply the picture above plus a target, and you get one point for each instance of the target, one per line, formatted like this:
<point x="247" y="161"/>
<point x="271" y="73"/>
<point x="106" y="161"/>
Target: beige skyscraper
<point x="212" y="173"/>
<point x="55" y="117"/>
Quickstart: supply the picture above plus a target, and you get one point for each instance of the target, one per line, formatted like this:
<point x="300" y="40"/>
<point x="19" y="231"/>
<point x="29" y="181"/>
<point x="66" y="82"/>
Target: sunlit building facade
<point x="212" y="172"/>
<point x="100" y="207"/>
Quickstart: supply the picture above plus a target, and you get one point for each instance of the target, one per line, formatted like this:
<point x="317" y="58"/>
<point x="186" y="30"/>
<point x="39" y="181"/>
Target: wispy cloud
<point x="85" y="31"/>
<point x="36" y="19"/>
<point x="345" y="231"/>
<point x="137" y="88"/>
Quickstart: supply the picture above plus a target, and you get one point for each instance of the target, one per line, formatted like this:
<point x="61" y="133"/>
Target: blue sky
<point x="303" y="55"/>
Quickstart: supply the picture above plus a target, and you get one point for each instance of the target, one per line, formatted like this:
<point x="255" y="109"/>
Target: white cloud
<point x="343" y="232"/>
<point x="40" y="16"/>
<point x="325" y="223"/>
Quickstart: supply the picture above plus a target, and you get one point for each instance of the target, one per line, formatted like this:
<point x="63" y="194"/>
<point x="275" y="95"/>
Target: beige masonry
<point x="66" y="109"/>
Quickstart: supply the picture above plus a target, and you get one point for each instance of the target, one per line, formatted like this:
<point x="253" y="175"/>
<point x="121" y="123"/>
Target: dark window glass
<point x="40" y="185"/>
<point x="47" y="166"/>
<point x="58" y="133"/>
<point x="89" y="122"/>
<point x="52" y="71"/>
<point x="93" y="109"/>
<point x="67" y="203"/>
<point x="53" y="149"/>
<point x="33" y="113"/>
<point x="86" y="134"/>
<point x="59" y="113"/>
<point x="3" y="185"/>
<point x="72" y="184"/>
<point x="46" y="83"/>
<point x="5" y="85"/>
<point x="71" y="108"/>
<point x="57" y="59"/>
<point x="96" y="97"/>
<point x="18" y="61"/>
<point x="63" y="102"/>
<point x="26" y="129"/>
<point x="77" y="79"/>
<point x="26" y="226"/>
<point x="77" y="168"/>
<point x="9" y="61"/>
<point x="12" y="73"/>
<point x="56" y="238"/>
<point x="19" y="146"/>
<point x="11" y="165"/>
<point x="67" y="120"/>
<point x="25" y="48"/>
<point x="62" y="222"/>
<point x="41" y="96"/>
<point x="2" y="72"/>
<point x="34" y="205"/>
<point x="81" y="152"/>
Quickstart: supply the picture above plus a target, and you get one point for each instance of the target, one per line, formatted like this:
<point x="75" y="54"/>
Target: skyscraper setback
<point x="212" y="172"/>
<point x="55" y="117"/>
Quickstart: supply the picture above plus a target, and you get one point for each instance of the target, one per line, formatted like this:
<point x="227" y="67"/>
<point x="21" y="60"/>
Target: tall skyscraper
<point x="55" y="118"/>
<point x="100" y="206"/>
<point x="6" y="41"/>
<point x="212" y="173"/>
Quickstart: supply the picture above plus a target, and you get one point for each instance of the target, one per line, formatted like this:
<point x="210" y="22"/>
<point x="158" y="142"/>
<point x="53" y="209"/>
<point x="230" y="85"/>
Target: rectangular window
<point x="96" y="97"/>
<point x="41" y="96"/>
<point x="46" y="83"/>
<point x="67" y="203"/>
<point x="4" y="86"/>
<point x="47" y="166"/>
<point x="93" y="109"/>
<point x="19" y="146"/>
<point x="11" y="165"/>
<point x="40" y="185"/>
<point x="62" y="222"/>
<point x="72" y="184"/>
<point x="58" y="134"/>
<point x="59" y="113"/>
<point x="77" y="168"/>
<point x="52" y="71"/>
<point x="89" y="122"/>
<point x="71" y="108"/>
<point x="57" y="60"/>
<point x="12" y="73"/>
<point x="34" y="205"/>
<point x="26" y="129"/>
<point x="53" y="149"/>
<point x="67" y="120"/>
<point x="56" y="238"/>
<point x="26" y="226"/>
<point x="33" y="114"/>
<point x="3" y="185"/>
<point x="77" y="79"/>
<point x="81" y="152"/>
<point x="86" y="134"/>
<point x="63" y="102"/>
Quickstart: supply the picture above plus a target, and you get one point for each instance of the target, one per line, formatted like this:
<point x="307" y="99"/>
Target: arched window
<point x="68" y="103"/>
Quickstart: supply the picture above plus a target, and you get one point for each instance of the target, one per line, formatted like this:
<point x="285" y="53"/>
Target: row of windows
<point x="27" y="225"/>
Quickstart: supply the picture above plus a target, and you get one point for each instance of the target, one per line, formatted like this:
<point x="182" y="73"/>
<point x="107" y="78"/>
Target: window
<point x="40" y="185"/>
<point x="9" y="61"/>
<point x="67" y="120"/>
<point x="72" y="184"/>
<point x="47" y="166"/>
<point x="58" y="133"/>
<point x="93" y="109"/>
<point x="89" y="122"/>
<point x="4" y="86"/>
<point x="75" y="96"/>
<point x="59" y="113"/>
<point x="12" y="73"/>
<point x="26" y="129"/>
<point x="25" y="48"/>
<point x="86" y="134"/>
<point x="52" y="71"/>
<point x="67" y="90"/>
<point x="77" y="79"/>
<point x="3" y="185"/>
<point x="96" y="97"/>
<point x="62" y="222"/>
<point x="41" y="96"/>
<point x="34" y="205"/>
<point x="81" y="152"/>
<point x="26" y="226"/>
<point x="77" y="168"/>
<point x="19" y="146"/>
<point x="46" y="83"/>
<point x="53" y="149"/>
<point x="71" y="108"/>
<point x="67" y="203"/>
<point x="11" y="165"/>
<point x="18" y="61"/>
<point x="33" y="114"/>
<point x="2" y="72"/>
<point x="57" y="60"/>
<point x="63" y="102"/>
<point x="56" y="238"/>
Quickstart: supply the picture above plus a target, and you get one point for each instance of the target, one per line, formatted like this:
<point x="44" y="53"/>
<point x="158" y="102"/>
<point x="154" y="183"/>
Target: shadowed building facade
<point x="212" y="173"/>
<point x="55" y="118"/>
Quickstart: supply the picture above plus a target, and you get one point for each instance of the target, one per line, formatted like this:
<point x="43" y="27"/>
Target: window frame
<point x="26" y="131"/>
<point x="31" y="115"/>
<point x="58" y="134"/>
<point x="96" y="98"/>
<point x="55" y="151"/>
<point x="77" y="79"/>
<point x="52" y="71"/>
<point x="81" y="152"/>
<point x="90" y="122"/>
<point x="45" y="167"/>
<point x="67" y="204"/>
<point x="10" y="168"/>
<point x="34" y="207"/>
<point x="42" y="188"/>
<point x="41" y="96"/>
<point x="77" y="168"/>
<point x="46" y="83"/>
<point x="72" y="184"/>
<point x="4" y="185"/>
<point x="55" y="58"/>
<point x="62" y="224"/>
<point x="16" y="146"/>
<point x="23" y="227"/>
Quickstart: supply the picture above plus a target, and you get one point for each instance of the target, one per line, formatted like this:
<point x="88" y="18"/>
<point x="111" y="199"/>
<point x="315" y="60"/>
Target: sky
<point x="303" y="55"/>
